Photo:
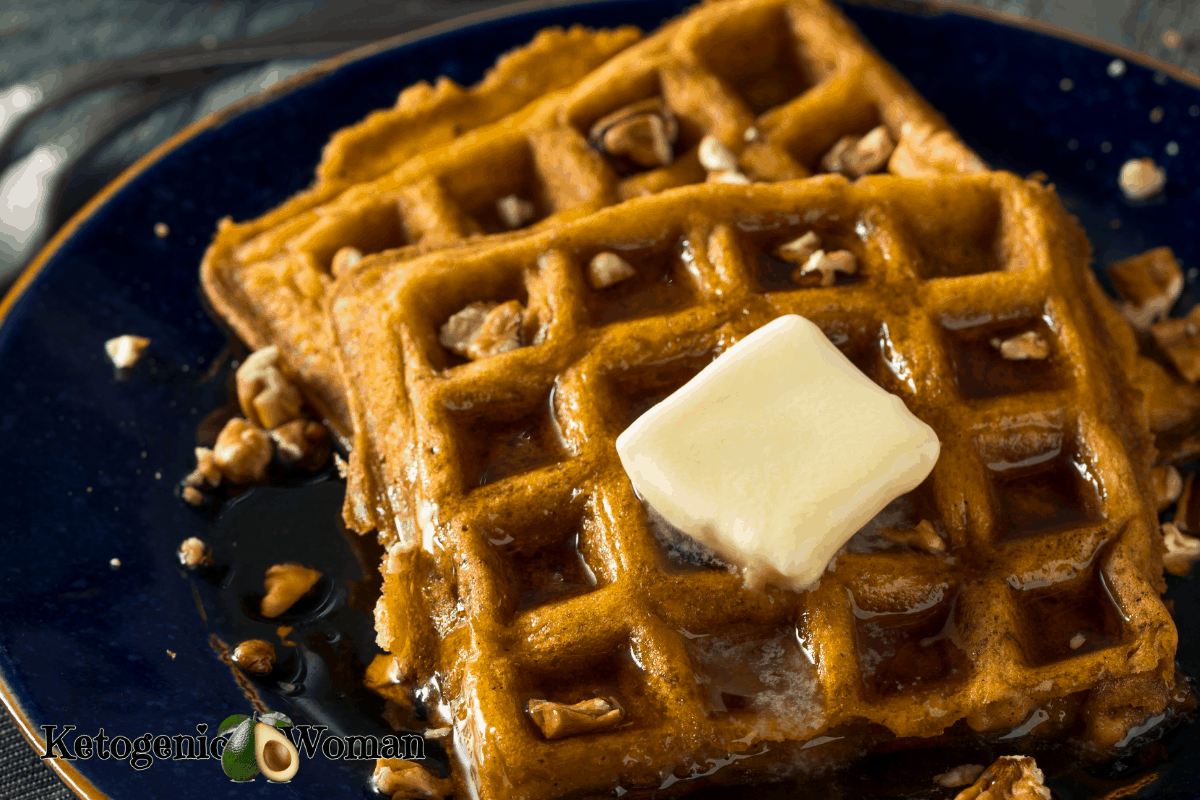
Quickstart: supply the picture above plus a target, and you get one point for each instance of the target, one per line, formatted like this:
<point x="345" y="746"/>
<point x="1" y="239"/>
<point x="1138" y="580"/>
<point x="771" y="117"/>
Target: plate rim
<point x="70" y="776"/>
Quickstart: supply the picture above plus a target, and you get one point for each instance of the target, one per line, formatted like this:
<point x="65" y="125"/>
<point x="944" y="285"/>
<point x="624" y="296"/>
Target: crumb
<point x="1077" y="641"/>
<point x="115" y="563"/>
<point x="124" y="351"/>
<point x="171" y="653"/>
<point x="193" y="496"/>
<point x="340" y="463"/>
<point x="161" y="230"/>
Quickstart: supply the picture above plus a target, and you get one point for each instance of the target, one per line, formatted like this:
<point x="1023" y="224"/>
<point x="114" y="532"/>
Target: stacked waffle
<point x="481" y="317"/>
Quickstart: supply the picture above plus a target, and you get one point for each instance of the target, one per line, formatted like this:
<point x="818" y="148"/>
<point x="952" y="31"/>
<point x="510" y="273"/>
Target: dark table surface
<point x="110" y="105"/>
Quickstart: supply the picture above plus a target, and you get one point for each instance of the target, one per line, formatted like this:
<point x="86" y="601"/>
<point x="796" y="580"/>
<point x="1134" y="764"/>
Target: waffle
<point x="261" y="276"/>
<point x="522" y="567"/>
<point x="779" y="82"/>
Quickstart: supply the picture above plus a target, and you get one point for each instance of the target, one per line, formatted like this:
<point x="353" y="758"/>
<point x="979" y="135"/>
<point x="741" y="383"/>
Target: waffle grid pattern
<point x="793" y="71"/>
<point x="641" y="630"/>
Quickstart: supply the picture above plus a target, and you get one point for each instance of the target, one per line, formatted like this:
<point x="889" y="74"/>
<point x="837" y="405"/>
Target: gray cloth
<point x="39" y="37"/>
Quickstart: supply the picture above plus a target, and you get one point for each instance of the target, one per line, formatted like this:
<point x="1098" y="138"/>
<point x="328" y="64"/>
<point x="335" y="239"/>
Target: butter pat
<point x="777" y="453"/>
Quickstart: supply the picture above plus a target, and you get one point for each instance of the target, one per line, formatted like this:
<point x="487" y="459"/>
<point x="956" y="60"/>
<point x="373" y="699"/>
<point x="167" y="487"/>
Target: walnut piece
<point x="1141" y="178"/>
<point x="242" y="451"/>
<point x="285" y="584"/>
<point x="961" y="775"/>
<point x="407" y="780"/>
<point x="644" y="133"/>
<point x="922" y="537"/>
<point x="1182" y="550"/>
<point x="1077" y="640"/>
<point x="1009" y="778"/>
<point x="302" y="443"/>
<point x="557" y="720"/>
<point x="1180" y="340"/>
<point x="828" y="265"/>
<point x="515" y="212"/>
<point x="1149" y="284"/>
<point x="267" y="397"/>
<point x="206" y="473"/>
<point x="124" y="351"/>
<point x="854" y="157"/>
<point x="344" y="260"/>
<point x="194" y="553"/>
<point x="800" y="249"/>
<point x="1168" y="485"/>
<point x="715" y="156"/>
<point x="607" y="269"/>
<point x="255" y="655"/>
<point x="1027" y="346"/>
<point x="483" y="329"/>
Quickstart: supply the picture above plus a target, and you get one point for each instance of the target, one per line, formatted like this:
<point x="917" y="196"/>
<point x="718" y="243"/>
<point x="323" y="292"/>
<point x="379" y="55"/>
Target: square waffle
<point x="522" y="567"/>
<point x="792" y="75"/>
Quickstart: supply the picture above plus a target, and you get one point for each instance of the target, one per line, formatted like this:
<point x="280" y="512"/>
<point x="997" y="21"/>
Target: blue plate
<point x="91" y="459"/>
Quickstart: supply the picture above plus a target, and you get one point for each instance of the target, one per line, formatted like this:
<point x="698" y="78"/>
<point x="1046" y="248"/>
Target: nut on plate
<point x="642" y="134"/>
<point x="408" y="780"/>
<point x="1141" y="179"/>
<point x="557" y="720"/>
<point x="285" y="584"/>
<point x="608" y="269"/>
<point x="194" y="552"/>
<point x="1180" y="340"/>
<point x="242" y="451"/>
<point x="302" y="443"/>
<point x="483" y="329"/>
<point x="1181" y="550"/>
<point x="1008" y="778"/>
<point x="255" y="655"/>
<point x="124" y="351"/>
<point x="267" y="397"/>
<point x="1027" y="346"/>
<point x="1149" y="284"/>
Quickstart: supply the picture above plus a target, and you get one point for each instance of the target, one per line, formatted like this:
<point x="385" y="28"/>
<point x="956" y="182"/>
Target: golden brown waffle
<point x="792" y="75"/>
<point x="250" y="272"/>
<point x="523" y="567"/>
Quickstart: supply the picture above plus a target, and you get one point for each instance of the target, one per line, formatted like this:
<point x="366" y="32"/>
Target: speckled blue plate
<point x="90" y="461"/>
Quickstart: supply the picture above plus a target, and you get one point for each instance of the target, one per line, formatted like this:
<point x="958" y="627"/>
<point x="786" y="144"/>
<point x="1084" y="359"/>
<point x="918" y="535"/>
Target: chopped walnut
<point x="124" y="351"/>
<point x="1077" y="640"/>
<point x="922" y="537"/>
<point x="242" y="452"/>
<point x="407" y="780"/>
<point x="345" y="259"/>
<point x="302" y="443"/>
<point x="192" y="496"/>
<point x="644" y="133"/>
<point x="854" y="157"/>
<point x="607" y="269"/>
<point x="1009" y="778"/>
<point x="1027" y="346"/>
<point x="1168" y="485"/>
<point x="515" y="212"/>
<point x="255" y="655"/>
<point x="961" y="775"/>
<point x="267" y="397"/>
<point x="800" y="249"/>
<point x="285" y="584"/>
<point x="715" y="156"/>
<point x="1141" y="179"/>
<point x="1182" y="550"/>
<point x="828" y="265"/>
<point x="1149" y="283"/>
<point x="727" y="176"/>
<point x="483" y="329"/>
<point x="206" y="473"/>
<point x="557" y="720"/>
<point x="1180" y="340"/>
<point x="194" y="553"/>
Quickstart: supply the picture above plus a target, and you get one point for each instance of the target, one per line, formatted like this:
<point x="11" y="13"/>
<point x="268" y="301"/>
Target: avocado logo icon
<point x="256" y="744"/>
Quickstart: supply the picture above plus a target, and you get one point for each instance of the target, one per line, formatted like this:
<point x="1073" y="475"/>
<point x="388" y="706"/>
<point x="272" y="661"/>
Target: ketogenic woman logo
<point x="247" y="745"/>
